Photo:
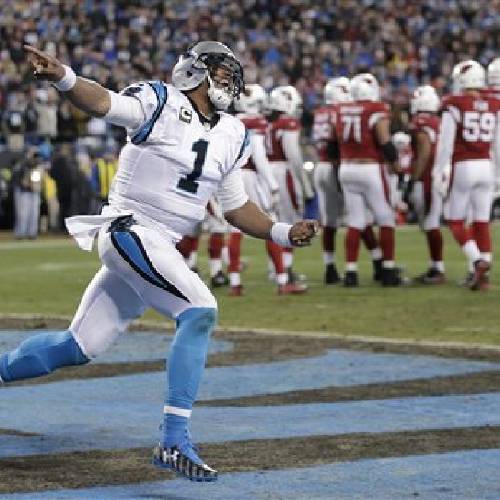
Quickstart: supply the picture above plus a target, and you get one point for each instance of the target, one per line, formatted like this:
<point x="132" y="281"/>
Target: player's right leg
<point x="149" y="262"/>
<point x="107" y="307"/>
<point x="481" y="200"/>
<point x="379" y="200"/>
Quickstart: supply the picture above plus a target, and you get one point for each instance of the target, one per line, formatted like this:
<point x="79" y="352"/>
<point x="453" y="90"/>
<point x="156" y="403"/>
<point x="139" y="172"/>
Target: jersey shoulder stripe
<point x="143" y="133"/>
<point x="244" y="145"/>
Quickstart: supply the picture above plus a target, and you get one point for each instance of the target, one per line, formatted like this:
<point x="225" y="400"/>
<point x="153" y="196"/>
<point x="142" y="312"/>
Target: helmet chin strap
<point x="219" y="97"/>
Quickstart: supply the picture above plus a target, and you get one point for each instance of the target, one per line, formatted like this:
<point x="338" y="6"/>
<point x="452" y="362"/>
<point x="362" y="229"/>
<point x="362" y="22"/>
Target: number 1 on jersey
<point x="189" y="183"/>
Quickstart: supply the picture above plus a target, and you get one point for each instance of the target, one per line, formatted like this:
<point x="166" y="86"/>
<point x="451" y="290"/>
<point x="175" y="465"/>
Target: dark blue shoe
<point x="184" y="461"/>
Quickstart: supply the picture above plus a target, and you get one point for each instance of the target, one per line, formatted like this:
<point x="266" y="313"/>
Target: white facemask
<point x="219" y="97"/>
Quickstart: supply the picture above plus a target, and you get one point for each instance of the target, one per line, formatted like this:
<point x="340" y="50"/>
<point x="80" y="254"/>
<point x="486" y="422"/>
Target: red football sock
<point x="215" y="244"/>
<point x="369" y="238"/>
<point x="387" y="243"/>
<point x="435" y="244"/>
<point x="481" y="233"/>
<point x="329" y="239"/>
<point x="461" y="233"/>
<point x="275" y="253"/>
<point x="234" y="247"/>
<point x="352" y="240"/>
<point x="187" y="245"/>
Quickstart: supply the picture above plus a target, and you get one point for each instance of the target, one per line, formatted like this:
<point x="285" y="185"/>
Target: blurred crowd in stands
<point x="301" y="42"/>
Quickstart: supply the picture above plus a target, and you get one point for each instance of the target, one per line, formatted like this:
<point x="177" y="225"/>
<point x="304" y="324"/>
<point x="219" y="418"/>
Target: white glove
<point x="441" y="180"/>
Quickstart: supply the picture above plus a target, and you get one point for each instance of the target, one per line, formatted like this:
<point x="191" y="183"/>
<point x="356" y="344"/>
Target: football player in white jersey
<point x="181" y="149"/>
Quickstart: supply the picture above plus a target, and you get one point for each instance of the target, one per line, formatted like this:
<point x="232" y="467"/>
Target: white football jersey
<point x="175" y="160"/>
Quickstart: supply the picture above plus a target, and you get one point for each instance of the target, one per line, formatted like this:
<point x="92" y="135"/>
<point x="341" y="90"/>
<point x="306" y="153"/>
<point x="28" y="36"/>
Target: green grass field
<point x="49" y="275"/>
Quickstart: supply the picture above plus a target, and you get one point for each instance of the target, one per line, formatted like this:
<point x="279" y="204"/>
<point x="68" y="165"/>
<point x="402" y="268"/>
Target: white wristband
<point x="280" y="234"/>
<point x="68" y="81"/>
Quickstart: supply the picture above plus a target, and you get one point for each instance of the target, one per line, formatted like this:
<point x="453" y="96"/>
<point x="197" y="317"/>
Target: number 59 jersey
<point x="355" y="130"/>
<point x="476" y="119"/>
<point x="176" y="159"/>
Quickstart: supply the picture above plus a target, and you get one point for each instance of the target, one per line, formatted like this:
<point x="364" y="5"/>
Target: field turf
<point x="48" y="276"/>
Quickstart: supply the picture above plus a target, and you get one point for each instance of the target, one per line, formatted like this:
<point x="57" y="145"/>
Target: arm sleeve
<point x="231" y="193"/>
<point x="125" y="111"/>
<point x="259" y="158"/>
<point x="446" y="141"/>
<point x="137" y="108"/>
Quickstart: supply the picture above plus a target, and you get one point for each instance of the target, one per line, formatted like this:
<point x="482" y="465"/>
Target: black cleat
<point x="377" y="269"/>
<point x="391" y="277"/>
<point x="219" y="280"/>
<point x="351" y="279"/>
<point x="431" y="277"/>
<point x="331" y="274"/>
<point x="293" y="277"/>
<point x="480" y="279"/>
<point x="184" y="461"/>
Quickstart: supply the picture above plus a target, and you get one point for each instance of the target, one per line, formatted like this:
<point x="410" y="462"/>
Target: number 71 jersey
<point x="175" y="160"/>
<point x="355" y="130"/>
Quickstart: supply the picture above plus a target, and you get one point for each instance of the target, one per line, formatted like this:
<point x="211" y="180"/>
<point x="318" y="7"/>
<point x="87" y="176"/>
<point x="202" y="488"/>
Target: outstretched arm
<point x="250" y="219"/>
<point x="240" y="212"/>
<point x="85" y="94"/>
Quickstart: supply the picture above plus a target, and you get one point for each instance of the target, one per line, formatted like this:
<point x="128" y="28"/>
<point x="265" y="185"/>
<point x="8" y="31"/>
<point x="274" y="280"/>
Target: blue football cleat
<point x="184" y="461"/>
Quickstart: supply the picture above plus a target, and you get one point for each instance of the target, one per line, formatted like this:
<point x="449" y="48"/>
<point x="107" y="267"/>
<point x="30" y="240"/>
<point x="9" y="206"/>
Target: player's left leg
<point x="464" y="178"/>
<point x="108" y="305"/>
<point x="379" y="200"/>
<point x="372" y="244"/>
<point x="481" y="199"/>
<point x="428" y="204"/>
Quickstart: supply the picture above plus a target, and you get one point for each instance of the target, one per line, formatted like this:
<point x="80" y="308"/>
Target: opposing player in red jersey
<point x="285" y="156"/>
<point x="326" y="171"/>
<point x="426" y="200"/>
<point x="365" y="145"/>
<point x="261" y="187"/>
<point x="326" y="182"/>
<point x="469" y="134"/>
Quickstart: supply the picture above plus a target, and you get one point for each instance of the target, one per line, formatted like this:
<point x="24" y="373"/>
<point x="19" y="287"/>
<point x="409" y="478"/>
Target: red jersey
<point x="476" y="120"/>
<point x="275" y="131"/>
<point x="429" y="124"/>
<point x="255" y="124"/>
<point x="355" y="130"/>
<point x="323" y="132"/>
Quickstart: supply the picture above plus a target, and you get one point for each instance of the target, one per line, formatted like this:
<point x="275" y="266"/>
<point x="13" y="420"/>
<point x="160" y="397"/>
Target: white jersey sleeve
<point x="151" y="96"/>
<point x="446" y="142"/>
<point x="231" y="192"/>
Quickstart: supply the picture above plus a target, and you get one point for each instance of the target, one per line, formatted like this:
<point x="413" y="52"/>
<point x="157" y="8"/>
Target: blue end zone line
<point x="98" y="422"/>
<point x="458" y="475"/>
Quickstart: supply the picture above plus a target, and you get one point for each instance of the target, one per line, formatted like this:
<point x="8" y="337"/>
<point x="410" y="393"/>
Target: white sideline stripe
<point x="366" y="339"/>
<point x="180" y="412"/>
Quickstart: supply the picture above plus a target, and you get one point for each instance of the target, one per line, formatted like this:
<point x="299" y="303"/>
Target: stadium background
<point x="438" y="436"/>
